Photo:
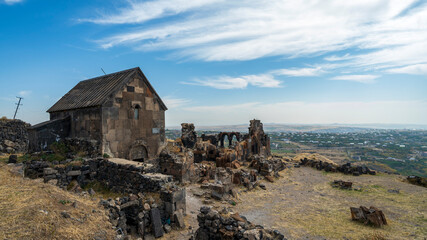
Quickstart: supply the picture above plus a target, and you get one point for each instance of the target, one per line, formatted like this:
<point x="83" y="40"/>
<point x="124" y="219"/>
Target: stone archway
<point x="138" y="153"/>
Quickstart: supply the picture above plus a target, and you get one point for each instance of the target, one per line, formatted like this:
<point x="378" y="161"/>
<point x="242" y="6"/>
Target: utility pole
<point x="17" y="106"/>
<point x="103" y="71"/>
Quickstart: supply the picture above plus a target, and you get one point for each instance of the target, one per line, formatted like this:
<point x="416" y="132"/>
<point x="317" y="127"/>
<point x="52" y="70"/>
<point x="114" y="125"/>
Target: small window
<point x="136" y="113"/>
<point x="130" y="89"/>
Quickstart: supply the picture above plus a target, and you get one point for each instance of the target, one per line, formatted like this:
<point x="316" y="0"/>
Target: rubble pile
<point x="342" y="184"/>
<point x="370" y="215"/>
<point x="13" y="136"/>
<point x="417" y="180"/>
<point x="346" y="168"/>
<point x="267" y="167"/>
<point x="144" y="216"/>
<point x="213" y="225"/>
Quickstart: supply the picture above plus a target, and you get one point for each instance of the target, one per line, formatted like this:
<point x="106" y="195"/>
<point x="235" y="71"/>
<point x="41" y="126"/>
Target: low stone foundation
<point x="230" y="226"/>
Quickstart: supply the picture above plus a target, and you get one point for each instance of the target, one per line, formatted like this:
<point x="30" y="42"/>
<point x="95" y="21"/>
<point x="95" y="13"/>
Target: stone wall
<point x="133" y="123"/>
<point x="226" y="225"/>
<point x="117" y="177"/>
<point x="42" y="135"/>
<point x="13" y="136"/>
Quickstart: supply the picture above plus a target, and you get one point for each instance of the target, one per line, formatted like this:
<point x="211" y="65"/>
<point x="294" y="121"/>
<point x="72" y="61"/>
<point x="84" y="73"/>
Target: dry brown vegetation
<point x="302" y="204"/>
<point x="30" y="209"/>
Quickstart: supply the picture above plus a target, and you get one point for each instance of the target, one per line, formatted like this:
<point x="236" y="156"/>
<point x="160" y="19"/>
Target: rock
<point x="393" y="191"/>
<point x="12" y="158"/>
<point x="179" y="219"/>
<point x="216" y="195"/>
<point x="269" y="178"/>
<point x="372" y="216"/>
<point x="91" y="191"/>
<point x="9" y="143"/>
<point x="156" y="223"/>
<point x="129" y="204"/>
<point x="64" y="214"/>
<point x="149" y="237"/>
<point x="49" y="171"/>
<point x="253" y="234"/>
<point x="141" y="228"/>
<point x="262" y="186"/>
<point x="147" y="207"/>
<point x="167" y="228"/>
<point x="74" y="173"/>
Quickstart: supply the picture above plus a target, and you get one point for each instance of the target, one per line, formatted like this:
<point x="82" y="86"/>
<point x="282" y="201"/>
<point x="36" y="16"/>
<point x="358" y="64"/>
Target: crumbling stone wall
<point x="188" y="135"/>
<point x="13" y="136"/>
<point x="117" y="177"/>
<point x="215" y="225"/>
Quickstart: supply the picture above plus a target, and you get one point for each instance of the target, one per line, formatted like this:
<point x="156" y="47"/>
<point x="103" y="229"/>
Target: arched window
<point x="136" y="112"/>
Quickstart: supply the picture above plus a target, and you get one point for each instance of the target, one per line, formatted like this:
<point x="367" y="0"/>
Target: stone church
<point x="120" y="111"/>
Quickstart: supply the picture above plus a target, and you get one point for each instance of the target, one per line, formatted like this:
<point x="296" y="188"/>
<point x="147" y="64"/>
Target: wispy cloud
<point x="419" y="69"/>
<point x="391" y="33"/>
<point x="357" y="78"/>
<point x="227" y="82"/>
<point x="300" y="72"/>
<point x="24" y="93"/>
<point x="10" y="2"/>
<point x="172" y="102"/>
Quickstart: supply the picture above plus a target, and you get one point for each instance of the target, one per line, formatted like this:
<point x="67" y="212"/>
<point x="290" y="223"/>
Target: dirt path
<point x="303" y="205"/>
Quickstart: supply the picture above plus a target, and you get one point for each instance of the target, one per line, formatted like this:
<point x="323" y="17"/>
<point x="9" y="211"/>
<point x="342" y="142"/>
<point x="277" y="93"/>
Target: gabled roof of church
<point x="95" y="91"/>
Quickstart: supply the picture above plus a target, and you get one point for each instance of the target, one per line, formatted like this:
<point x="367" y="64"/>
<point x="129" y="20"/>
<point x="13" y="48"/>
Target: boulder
<point x="156" y="223"/>
<point x="179" y="219"/>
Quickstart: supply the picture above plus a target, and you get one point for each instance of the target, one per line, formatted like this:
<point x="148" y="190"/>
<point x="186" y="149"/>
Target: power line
<point x="17" y="105"/>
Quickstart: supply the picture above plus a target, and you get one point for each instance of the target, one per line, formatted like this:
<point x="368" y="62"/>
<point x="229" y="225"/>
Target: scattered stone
<point x="262" y="186"/>
<point x="372" y="216"/>
<point x="179" y="219"/>
<point x="64" y="214"/>
<point x="91" y="191"/>
<point x="156" y="223"/>
<point x="342" y="184"/>
<point x="269" y="178"/>
<point x="393" y="191"/>
<point x="167" y="228"/>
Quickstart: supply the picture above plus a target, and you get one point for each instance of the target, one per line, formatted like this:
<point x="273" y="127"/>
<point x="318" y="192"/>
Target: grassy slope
<point x="303" y="204"/>
<point x="22" y="202"/>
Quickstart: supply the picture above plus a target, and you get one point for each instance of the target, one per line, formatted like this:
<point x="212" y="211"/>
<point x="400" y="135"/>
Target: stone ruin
<point x="153" y="204"/>
<point x="13" y="136"/>
<point x="346" y="168"/>
<point x="229" y="226"/>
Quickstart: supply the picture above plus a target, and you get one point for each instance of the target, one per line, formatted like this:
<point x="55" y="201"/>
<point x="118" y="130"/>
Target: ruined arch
<point x="138" y="153"/>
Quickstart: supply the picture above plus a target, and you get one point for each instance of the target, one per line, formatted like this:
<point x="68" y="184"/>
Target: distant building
<point x="120" y="111"/>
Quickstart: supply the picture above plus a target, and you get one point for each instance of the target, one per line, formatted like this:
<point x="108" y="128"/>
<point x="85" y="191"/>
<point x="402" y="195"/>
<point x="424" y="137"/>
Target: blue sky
<point x="225" y="62"/>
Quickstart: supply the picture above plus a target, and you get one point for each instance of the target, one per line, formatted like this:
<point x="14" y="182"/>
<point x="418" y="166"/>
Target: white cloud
<point x="390" y="33"/>
<point x="357" y="78"/>
<point x="227" y="82"/>
<point x="419" y="69"/>
<point x="305" y="113"/>
<point x="24" y="93"/>
<point x="10" y="2"/>
<point x="172" y="102"/>
<point x="139" y="12"/>
<point x="299" y="72"/>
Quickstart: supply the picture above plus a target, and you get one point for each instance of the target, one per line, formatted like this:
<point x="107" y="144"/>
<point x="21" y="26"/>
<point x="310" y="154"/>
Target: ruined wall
<point x="85" y="123"/>
<point x="42" y="135"/>
<point x="13" y="136"/>
<point x="133" y="123"/>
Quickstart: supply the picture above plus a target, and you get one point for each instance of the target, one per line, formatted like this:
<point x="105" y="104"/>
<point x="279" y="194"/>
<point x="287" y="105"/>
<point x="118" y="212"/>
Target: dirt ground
<point x="302" y="205"/>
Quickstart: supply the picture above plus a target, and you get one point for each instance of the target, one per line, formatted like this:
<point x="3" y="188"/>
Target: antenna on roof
<point x="103" y="71"/>
<point x="17" y="106"/>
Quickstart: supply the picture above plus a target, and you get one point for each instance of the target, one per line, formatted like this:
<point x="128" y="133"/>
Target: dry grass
<point x="302" y="204"/>
<point x="30" y="209"/>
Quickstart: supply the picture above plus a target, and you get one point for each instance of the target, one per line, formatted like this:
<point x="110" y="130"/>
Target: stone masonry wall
<point x="13" y="136"/>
